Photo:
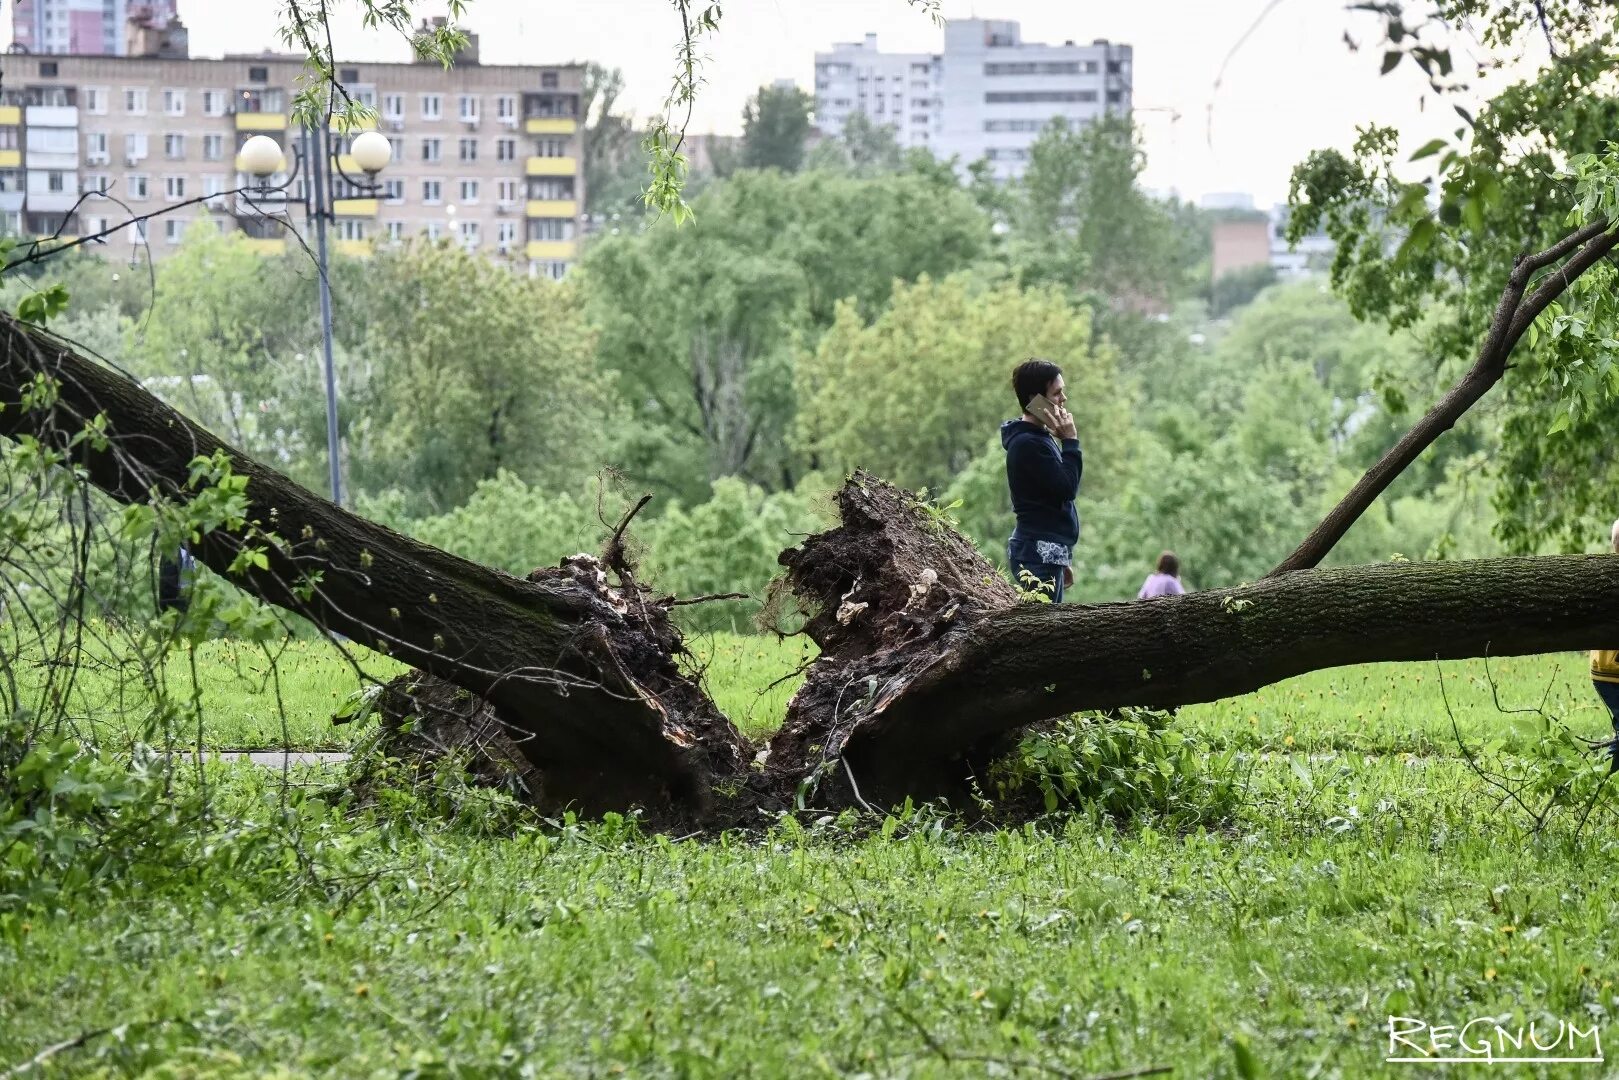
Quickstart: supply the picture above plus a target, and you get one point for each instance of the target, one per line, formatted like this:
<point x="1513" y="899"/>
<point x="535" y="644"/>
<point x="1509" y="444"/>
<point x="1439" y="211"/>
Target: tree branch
<point x="1513" y="317"/>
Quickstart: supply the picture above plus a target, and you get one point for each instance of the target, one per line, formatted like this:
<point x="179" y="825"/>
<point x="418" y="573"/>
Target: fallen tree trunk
<point x="927" y="656"/>
<point x="584" y="674"/>
<point x="913" y="680"/>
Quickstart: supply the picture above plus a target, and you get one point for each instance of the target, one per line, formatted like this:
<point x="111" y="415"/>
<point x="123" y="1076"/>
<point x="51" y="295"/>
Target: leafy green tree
<point x="1079" y="219"/>
<point x="232" y="341"/>
<point x="866" y="401"/>
<point x="471" y="369"/>
<point x="1238" y="287"/>
<point x="1427" y="235"/>
<point x="775" y="124"/>
<point x="863" y="148"/>
<point x="614" y="167"/>
<point x="702" y="323"/>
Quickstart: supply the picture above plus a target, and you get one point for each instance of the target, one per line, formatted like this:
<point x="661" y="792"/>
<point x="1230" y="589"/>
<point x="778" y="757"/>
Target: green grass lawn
<point x="1382" y="879"/>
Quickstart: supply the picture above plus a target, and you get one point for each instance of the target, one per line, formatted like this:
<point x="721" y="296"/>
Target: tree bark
<point x="927" y="655"/>
<point x="1513" y="316"/>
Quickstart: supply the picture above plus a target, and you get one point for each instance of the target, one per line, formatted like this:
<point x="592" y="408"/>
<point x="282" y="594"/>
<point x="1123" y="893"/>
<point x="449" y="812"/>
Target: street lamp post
<point x="262" y="157"/>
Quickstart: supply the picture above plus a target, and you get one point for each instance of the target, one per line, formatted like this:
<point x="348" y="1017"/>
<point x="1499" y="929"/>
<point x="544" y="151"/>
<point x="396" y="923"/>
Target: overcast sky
<point x="1291" y="87"/>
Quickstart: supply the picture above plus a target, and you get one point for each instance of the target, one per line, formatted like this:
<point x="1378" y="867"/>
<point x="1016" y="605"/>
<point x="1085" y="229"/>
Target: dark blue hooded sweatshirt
<point x="1044" y="480"/>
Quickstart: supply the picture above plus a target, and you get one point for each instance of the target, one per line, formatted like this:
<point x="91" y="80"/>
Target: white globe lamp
<point x="261" y="157"/>
<point x="371" y="151"/>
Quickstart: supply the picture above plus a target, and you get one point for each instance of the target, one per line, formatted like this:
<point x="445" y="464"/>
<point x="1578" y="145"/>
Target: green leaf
<point x="1473" y="213"/>
<point x="1421" y="237"/>
<point x="1562" y="422"/>
<point x="1429" y="148"/>
<point x="1391" y="60"/>
<point x="1248" y="1066"/>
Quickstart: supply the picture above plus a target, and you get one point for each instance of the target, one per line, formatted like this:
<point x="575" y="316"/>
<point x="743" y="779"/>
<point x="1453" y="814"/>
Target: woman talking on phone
<point x="1043" y="465"/>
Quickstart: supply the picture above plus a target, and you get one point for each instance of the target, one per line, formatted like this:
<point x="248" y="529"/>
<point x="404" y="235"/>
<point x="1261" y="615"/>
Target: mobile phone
<point x="1041" y="408"/>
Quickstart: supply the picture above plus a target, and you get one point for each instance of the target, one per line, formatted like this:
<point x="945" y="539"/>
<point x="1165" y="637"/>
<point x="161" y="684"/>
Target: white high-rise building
<point x="898" y="89"/>
<point x="82" y="27"/>
<point x="987" y="95"/>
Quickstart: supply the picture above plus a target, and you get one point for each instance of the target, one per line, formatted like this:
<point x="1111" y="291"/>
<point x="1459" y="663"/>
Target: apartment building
<point x="87" y="27"/>
<point x="488" y="155"/>
<point x="987" y="95"/>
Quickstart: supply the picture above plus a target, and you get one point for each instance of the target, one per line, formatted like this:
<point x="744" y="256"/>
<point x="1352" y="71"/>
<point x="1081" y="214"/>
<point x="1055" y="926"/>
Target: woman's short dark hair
<point x="1032" y="377"/>
<point x="1168" y="564"/>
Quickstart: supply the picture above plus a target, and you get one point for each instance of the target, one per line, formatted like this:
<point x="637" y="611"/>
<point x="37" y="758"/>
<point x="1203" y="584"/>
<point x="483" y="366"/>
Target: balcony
<point x="51" y="202"/>
<point x="558" y="208"/>
<point x="55" y="116"/>
<point x="10" y="159"/>
<point x="356" y="207"/>
<point x="551" y="249"/>
<point x="354" y="249"/>
<point x="261" y="121"/>
<point x="10" y="115"/>
<point x="266" y="245"/>
<point x="552" y="166"/>
<point x="550" y="125"/>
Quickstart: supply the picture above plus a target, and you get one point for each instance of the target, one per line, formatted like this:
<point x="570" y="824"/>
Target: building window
<point x="552" y="147"/>
<point x="1114" y="97"/>
<point x="135" y="187"/>
<point x="174" y="147"/>
<point x="213" y="102"/>
<point x="351" y="229"/>
<point x="548" y="80"/>
<point x="469" y="108"/>
<point x="258" y="74"/>
<point x="95" y="145"/>
<point x="213" y="147"/>
<point x="469" y="191"/>
<point x="261" y="101"/>
<point x="396" y="231"/>
<point x="469" y="149"/>
<point x="506" y="108"/>
<point x="431" y="150"/>
<point x="94" y="182"/>
<point x="432" y="106"/>
<point x="505" y="149"/>
<point x="506" y="191"/>
<point x="1115" y="67"/>
<point x="433" y="230"/>
<point x="470" y="236"/>
<point x="213" y="186"/>
<point x="550" y="187"/>
<point x="393" y="191"/>
<point x="174" y="188"/>
<point x="1032" y="97"/>
<point x="55" y="182"/>
<point x="47" y="69"/>
<point x="135" y="100"/>
<point x="95" y="100"/>
<point x="393" y="106"/>
<point x="349" y="75"/>
<point x="174" y="102"/>
<point x="506" y="234"/>
<point x="550" y="228"/>
<point x="1014" y="125"/>
<point x="173" y="230"/>
<point x="135" y="147"/>
<point x="93" y="226"/>
<point x="432" y="192"/>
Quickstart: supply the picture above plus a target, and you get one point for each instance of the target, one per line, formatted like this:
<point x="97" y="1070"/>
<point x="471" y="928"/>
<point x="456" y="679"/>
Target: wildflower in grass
<point x="363" y="990"/>
<point x="1489" y="974"/>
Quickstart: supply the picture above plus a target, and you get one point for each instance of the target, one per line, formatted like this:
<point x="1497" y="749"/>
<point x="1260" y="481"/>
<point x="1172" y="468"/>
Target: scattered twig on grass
<point x="81" y="1039"/>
